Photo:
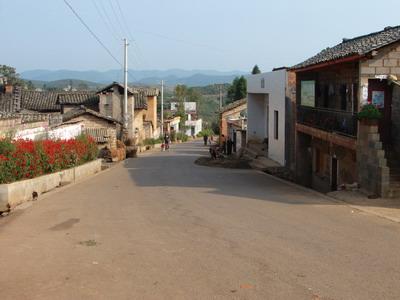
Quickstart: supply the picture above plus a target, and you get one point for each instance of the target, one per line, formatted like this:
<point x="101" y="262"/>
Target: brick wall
<point x="386" y="62"/>
<point x="373" y="172"/>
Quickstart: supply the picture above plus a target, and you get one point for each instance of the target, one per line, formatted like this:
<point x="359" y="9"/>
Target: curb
<point x="59" y="189"/>
<point x="332" y="199"/>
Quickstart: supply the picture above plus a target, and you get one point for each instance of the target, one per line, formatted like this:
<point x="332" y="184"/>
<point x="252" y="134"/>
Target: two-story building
<point x="142" y="105"/>
<point x="332" y="147"/>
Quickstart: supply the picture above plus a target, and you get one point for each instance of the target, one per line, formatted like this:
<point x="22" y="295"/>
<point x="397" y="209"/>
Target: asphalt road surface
<point x="160" y="227"/>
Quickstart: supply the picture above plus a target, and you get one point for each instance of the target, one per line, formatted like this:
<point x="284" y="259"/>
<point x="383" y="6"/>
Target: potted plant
<point x="369" y="115"/>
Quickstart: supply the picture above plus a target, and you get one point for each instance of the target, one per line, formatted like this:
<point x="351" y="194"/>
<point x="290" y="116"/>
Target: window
<point x="307" y="93"/>
<point x="262" y="83"/>
<point x="276" y="124"/>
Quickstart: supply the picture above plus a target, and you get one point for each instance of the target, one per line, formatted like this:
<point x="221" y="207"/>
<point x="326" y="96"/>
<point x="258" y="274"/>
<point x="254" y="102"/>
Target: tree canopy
<point x="10" y="74"/>
<point x="256" y="70"/>
<point x="238" y="89"/>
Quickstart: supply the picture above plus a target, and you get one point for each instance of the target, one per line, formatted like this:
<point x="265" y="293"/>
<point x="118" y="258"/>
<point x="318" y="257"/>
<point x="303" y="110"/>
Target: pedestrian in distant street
<point x="205" y="139"/>
<point x="229" y="145"/>
<point x="222" y="143"/>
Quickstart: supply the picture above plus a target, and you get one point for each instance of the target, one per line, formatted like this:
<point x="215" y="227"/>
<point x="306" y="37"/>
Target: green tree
<point x="29" y="85"/>
<point x="180" y="95"/>
<point x="11" y="74"/>
<point x="83" y="86"/>
<point x="238" y="89"/>
<point x="256" y="70"/>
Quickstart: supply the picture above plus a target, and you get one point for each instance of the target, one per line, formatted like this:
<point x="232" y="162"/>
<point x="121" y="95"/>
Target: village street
<point x="161" y="227"/>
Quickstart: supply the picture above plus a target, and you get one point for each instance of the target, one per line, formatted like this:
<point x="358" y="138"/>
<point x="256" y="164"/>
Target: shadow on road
<point x="176" y="168"/>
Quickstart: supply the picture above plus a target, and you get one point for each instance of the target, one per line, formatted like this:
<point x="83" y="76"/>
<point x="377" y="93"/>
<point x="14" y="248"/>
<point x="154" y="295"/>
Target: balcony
<point x="334" y="121"/>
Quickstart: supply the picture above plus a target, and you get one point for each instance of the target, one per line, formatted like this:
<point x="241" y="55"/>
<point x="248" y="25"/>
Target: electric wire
<point x="92" y="32"/>
<point x="105" y="21"/>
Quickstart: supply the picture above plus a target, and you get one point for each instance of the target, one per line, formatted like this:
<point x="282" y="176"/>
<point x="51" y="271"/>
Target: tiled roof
<point x="115" y="86"/>
<point x="79" y="111"/>
<point x="233" y="105"/>
<point x="361" y="45"/>
<point x="40" y="101"/>
<point x="78" y="98"/>
<point x="149" y="92"/>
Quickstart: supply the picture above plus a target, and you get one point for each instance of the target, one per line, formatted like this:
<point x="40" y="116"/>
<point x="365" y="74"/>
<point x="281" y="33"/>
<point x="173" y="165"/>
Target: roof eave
<point x="328" y="63"/>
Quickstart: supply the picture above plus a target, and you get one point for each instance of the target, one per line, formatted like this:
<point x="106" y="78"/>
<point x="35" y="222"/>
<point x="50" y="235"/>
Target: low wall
<point x="16" y="193"/>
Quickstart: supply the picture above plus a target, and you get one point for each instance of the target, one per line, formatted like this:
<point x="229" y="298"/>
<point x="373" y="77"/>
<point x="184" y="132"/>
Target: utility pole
<point x="162" y="108"/>
<point x="126" y="117"/>
<point x="220" y="97"/>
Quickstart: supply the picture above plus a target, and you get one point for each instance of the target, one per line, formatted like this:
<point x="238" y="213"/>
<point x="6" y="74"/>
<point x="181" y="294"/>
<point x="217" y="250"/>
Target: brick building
<point x="332" y="147"/>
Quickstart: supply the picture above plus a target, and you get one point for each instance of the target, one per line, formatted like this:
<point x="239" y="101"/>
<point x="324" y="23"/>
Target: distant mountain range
<point x="144" y="77"/>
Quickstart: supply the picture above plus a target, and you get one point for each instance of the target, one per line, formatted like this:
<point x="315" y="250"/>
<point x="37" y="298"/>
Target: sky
<point x="222" y="35"/>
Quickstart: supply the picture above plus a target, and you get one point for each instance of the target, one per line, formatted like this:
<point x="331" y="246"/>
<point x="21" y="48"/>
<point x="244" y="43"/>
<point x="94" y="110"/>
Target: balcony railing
<point x="338" y="121"/>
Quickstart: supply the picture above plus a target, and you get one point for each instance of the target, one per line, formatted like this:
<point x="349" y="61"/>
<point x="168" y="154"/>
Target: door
<point x="379" y="94"/>
<point x="334" y="174"/>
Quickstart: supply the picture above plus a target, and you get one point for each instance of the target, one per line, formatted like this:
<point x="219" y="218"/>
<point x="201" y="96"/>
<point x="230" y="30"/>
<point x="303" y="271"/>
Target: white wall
<point x="275" y="87"/>
<point x="197" y="125"/>
<point x="257" y="122"/>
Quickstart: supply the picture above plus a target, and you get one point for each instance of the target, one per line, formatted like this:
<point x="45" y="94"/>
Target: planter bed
<point x="15" y="193"/>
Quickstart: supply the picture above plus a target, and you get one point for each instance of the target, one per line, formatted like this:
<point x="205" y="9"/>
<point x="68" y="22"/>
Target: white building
<point x="269" y="115"/>
<point x="193" y="127"/>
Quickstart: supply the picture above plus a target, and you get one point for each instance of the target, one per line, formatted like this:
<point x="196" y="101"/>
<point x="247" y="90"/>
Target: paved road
<point x="160" y="227"/>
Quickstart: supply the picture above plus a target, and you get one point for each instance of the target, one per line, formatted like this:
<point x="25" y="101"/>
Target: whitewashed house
<point x="270" y="107"/>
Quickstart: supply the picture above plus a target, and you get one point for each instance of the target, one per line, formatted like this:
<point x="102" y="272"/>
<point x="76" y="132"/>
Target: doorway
<point x="334" y="174"/>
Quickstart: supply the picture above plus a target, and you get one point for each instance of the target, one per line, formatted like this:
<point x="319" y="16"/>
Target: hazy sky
<point x="188" y="34"/>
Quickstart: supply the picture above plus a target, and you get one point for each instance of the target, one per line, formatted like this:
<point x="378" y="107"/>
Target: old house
<point x="142" y="104"/>
<point x="102" y="128"/>
<point x="333" y="147"/>
<point x="171" y="125"/>
<point x="270" y="109"/>
<point x="233" y="123"/>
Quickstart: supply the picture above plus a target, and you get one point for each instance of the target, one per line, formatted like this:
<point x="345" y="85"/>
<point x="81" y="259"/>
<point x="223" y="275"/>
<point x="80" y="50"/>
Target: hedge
<point x="25" y="159"/>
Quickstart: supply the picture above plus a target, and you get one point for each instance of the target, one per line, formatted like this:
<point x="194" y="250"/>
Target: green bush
<point x="152" y="142"/>
<point x="182" y="137"/>
<point x="208" y="132"/>
<point x="369" y="112"/>
<point x="173" y="136"/>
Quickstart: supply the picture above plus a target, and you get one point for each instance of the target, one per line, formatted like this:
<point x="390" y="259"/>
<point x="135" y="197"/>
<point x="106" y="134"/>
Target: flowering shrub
<point x="24" y="159"/>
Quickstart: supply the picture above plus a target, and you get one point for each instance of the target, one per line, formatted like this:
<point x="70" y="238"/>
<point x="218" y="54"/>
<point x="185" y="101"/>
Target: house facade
<point x="233" y="123"/>
<point x="103" y="129"/>
<point x="332" y="147"/>
<point x="142" y="105"/>
<point x="270" y="123"/>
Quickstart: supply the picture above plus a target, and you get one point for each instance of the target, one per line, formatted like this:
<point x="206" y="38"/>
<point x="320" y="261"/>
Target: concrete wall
<point x="197" y="125"/>
<point x="19" y="192"/>
<point x="257" y="121"/>
<point x="273" y="85"/>
<point x="151" y="114"/>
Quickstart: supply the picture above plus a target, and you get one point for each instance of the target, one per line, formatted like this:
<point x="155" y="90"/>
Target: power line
<point x="91" y="32"/>
<point x="105" y="21"/>
<point x="109" y="19"/>
<point x="116" y="17"/>
<point x="124" y="20"/>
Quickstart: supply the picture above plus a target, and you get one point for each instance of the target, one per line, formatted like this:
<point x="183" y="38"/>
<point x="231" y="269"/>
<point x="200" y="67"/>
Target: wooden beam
<point x="329" y="63"/>
<point x="334" y="138"/>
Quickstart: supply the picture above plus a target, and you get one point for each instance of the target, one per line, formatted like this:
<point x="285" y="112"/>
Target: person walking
<point x="166" y="141"/>
<point x="205" y="139"/>
<point x="229" y="145"/>
<point x="222" y="143"/>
